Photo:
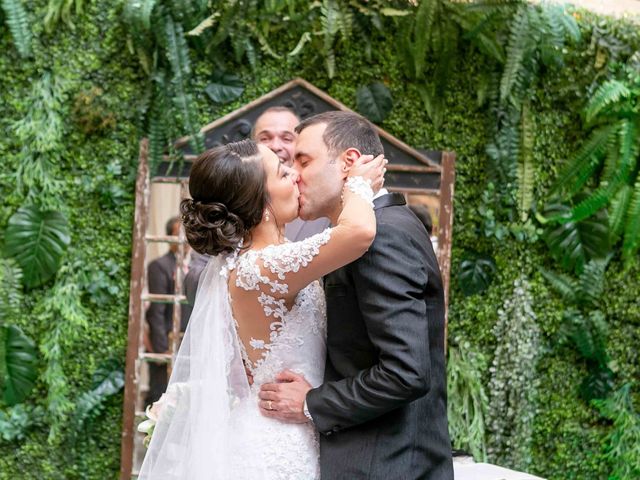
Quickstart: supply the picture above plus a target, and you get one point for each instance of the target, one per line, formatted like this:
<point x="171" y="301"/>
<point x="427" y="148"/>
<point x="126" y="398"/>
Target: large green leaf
<point x="573" y="244"/>
<point x="18" y="361"/>
<point x="476" y="274"/>
<point x="224" y="87"/>
<point x="107" y="380"/>
<point x="37" y="240"/>
<point x="374" y="101"/>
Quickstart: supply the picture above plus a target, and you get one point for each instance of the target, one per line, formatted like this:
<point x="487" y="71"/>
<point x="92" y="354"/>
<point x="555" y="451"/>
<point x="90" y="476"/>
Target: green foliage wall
<point x="97" y="174"/>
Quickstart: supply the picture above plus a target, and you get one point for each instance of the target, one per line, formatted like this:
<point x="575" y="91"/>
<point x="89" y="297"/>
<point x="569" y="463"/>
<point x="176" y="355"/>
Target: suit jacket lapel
<point x="389" y="200"/>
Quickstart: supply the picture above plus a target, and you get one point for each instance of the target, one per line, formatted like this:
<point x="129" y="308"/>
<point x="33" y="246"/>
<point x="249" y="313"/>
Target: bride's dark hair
<point x="229" y="195"/>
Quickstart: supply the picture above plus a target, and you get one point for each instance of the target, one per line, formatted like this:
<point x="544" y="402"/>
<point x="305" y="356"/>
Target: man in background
<point x="161" y="279"/>
<point x="274" y="128"/>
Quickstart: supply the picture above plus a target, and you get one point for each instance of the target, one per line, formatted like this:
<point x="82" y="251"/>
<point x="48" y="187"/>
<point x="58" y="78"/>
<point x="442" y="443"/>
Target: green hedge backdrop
<point x="100" y="96"/>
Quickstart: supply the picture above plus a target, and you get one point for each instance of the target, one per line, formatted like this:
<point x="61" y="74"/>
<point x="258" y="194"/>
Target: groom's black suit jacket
<point x="382" y="410"/>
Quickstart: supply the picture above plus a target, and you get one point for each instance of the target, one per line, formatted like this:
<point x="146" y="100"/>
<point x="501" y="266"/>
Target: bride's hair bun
<point x="229" y="196"/>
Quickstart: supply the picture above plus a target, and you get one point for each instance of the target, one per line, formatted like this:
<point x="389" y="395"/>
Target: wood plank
<point x="134" y="334"/>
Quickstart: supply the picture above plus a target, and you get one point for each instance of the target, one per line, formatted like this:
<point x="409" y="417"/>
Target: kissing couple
<point x="280" y="376"/>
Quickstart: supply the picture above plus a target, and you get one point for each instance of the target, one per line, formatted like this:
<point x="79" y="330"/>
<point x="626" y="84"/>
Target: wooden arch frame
<point x="411" y="171"/>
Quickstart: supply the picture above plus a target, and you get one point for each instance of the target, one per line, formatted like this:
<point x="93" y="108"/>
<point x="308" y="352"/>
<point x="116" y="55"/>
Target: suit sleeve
<point x="158" y="283"/>
<point x="389" y="281"/>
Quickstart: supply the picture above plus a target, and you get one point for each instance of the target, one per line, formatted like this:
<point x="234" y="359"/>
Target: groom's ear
<point x="349" y="157"/>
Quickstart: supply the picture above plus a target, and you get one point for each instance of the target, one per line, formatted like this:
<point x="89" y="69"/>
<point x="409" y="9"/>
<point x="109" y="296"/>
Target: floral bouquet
<point x="163" y="408"/>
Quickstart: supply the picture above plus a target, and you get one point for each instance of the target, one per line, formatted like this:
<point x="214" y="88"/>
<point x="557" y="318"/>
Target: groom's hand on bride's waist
<point x="285" y="400"/>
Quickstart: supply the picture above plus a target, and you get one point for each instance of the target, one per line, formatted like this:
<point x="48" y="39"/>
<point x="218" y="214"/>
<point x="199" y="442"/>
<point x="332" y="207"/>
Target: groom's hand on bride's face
<point x="285" y="400"/>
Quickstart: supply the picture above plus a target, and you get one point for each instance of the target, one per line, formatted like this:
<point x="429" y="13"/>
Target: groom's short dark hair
<point x="346" y="130"/>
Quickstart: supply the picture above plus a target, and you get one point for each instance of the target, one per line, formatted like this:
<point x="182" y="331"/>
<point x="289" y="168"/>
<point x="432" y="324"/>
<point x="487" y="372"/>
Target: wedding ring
<point x="270" y="405"/>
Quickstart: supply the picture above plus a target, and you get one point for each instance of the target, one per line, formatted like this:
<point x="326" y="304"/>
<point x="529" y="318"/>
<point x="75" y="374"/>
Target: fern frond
<point x="10" y="289"/>
<point x="425" y="18"/>
<point x="526" y="172"/>
<point x="19" y="27"/>
<point x="629" y="148"/>
<point x="251" y="54"/>
<point x="58" y="10"/>
<point x="596" y="201"/>
<point x="177" y="50"/>
<point x="137" y="13"/>
<point x="563" y="284"/>
<point x="208" y="22"/>
<point x="345" y="23"/>
<point x="607" y="94"/>
<point x="632" y="227"/>
<point x="585" y="162"/>
<point x="611" y="160"/>
<point x="551" y="16"/>
<point x="570" y="25"/>
<point x="264" y="44"/>
<point x="329" y="20"/>
<point x="591" y="281"/>
<point x="618" y="210"/>
<point x="519" y="37"/>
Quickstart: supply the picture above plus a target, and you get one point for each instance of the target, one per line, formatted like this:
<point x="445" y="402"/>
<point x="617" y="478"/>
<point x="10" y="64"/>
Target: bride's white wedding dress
<point x="210" y="426"/>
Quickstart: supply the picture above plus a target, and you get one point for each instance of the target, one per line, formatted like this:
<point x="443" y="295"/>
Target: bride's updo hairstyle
<point x="229" y="196"/>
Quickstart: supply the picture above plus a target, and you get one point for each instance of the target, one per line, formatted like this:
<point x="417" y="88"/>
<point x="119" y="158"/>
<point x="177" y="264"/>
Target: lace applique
<point x="279" y="260"/>
<point x="360" y="187"/>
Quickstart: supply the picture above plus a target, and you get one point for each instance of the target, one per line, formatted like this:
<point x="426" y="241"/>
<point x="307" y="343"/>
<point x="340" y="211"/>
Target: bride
<point x="259" y="310"/>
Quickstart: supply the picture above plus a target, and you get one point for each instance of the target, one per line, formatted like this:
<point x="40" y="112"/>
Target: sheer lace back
<point x="274" y="323"/>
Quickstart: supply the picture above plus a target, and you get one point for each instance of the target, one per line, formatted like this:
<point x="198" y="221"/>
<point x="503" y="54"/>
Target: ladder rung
<point x="188" y="157"/>
<point x="162" y="239"/>
<point x="164" y="298"/>
<point x="156" y="357"/>
<point x="169" y="179"/>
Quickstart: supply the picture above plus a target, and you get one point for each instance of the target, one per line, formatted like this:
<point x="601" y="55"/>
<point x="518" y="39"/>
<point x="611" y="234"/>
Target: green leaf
<point x="432" y="104"/>
<point x="10" y="288"/>
<point x="17" y="364"/>
<point x="526" y="179"/>
<point x="607" y="94"/>
<point x="394" y="12"/>
<point x="585" y="162"/>
<point x="16" y="18"/>
<point x="591" y="281"/>
<point x="572" y="243"/>
<point x="476" y="274"/>
<point x="224" y="87"/>
<point x="618" y="210"/>
<point x="597" y="385"/>
<point x="632" y="228"/>
<point x="561" y="283"/>
<point x="108" y="380"/>
<point x="203" y="25"/>
<point x="37" y="240"/>
<point x="374" y="101"/>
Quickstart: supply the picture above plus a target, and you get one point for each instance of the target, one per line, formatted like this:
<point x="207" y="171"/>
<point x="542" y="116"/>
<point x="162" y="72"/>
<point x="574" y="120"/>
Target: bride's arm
<point x="299" y="263"/>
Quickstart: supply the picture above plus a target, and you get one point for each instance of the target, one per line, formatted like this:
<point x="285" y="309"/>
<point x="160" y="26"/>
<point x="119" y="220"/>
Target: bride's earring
<point x="266" y="215"/>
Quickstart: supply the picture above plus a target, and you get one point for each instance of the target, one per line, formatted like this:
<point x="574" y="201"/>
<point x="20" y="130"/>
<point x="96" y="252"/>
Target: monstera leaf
<point x="374" y="102"/>
<point x="37" y="240"/>
<point x="17" y="364"/>
<point x="476" y="273"/>
<point x="573" y="244"/>
<point x="224" y="87"/>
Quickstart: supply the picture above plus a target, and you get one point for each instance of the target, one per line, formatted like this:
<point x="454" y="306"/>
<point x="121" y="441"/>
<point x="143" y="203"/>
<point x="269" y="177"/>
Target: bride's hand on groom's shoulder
<point x="285" y="400"/>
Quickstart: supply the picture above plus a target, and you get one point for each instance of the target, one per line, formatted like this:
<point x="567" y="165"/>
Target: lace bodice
<point x="297" y="341"/>
<point x="297" y="335"/>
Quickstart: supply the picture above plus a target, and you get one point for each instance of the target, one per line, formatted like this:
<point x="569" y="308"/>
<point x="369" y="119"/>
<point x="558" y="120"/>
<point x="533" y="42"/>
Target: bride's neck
<point x="267" y="233"/>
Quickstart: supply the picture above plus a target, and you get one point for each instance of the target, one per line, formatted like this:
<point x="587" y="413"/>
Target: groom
<point x="382" y="410"/>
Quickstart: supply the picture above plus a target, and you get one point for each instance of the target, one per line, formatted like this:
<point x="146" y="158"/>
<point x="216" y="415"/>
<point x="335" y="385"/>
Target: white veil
<point x="194" y="437"/>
